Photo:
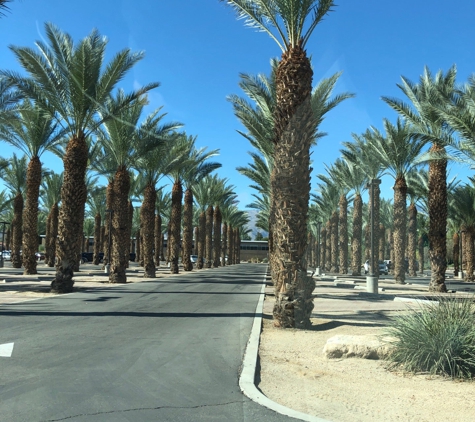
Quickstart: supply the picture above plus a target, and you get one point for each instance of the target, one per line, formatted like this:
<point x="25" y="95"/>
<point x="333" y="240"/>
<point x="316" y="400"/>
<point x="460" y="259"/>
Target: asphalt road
<point x="167" y="350"/>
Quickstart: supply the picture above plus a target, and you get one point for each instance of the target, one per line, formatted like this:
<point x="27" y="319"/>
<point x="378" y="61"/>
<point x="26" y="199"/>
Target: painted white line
<point x="6" y="350"/>
<point x="246" y="380"/>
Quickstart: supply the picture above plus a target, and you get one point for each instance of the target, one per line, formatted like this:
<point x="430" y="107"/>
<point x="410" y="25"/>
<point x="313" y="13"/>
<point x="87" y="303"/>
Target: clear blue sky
<point x="196" y="50"/>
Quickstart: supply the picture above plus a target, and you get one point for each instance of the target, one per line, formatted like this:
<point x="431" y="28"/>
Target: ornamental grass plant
<point x="436" y="338"/>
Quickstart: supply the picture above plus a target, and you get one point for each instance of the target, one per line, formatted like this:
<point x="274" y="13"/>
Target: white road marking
<point x="6" y="350"/>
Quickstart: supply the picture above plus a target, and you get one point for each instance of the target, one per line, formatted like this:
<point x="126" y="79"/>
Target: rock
<point x="365" y="347"/>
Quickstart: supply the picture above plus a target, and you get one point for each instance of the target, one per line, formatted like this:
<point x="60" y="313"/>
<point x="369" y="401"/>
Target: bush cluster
<point x="438" y="338"/>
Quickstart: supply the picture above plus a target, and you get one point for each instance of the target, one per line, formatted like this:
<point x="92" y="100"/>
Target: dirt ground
<point x="295" y="373"/>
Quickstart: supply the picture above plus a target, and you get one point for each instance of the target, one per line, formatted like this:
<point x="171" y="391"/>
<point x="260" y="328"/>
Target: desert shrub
<point x="437" y="338"/>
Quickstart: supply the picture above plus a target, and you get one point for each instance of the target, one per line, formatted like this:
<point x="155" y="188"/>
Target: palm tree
<point x="152" y="166"/>
<point x="3" y="6"/>
<point x="14" y="177"/>
<point x="33" y="133"/>
<point x="162" y="206"/>
<point x="69" y="83"/>
<point x="427" y="97"/>
<point x="397" y="152"/>
<point x="97" y="209"/>
<point x="51" y="197"/>
<point x="295" y="130"/>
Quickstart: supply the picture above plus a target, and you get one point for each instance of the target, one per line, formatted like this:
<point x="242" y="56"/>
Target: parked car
<point x="194" y="259"/>
<point x="6" y="255"/>
<point x="383" y="268"/>
<point x="40" y="256"/>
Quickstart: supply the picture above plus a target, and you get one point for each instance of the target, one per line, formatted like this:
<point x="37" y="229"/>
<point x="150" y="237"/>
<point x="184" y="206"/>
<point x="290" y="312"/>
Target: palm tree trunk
<point x="97" y="238"/>
<point x="437" y="202"/>
<point x="382" y="243"/>
<point x="195" y="241"/>
<point x="138" y="247"/>
<point x="412" y="234"/>
<point x="230" y="245"/>
<point x="30" y="216"/>
<point x="187" y="230"/>
<point x="8" y="236"/>
<point x="420" y="245"/>
<point x="237" y="244"/>
<point x="147" y="223"/>
<point x="53" y="234"/>
<point x="130" y="223"/>
<point x="400" y="192"/>
<point x="175" y="226"/>
<point x="328" y="246"/>
<point x="343" y="238"/>
<point x="224" y="249"/>
<point x="357" y="236"/>
<point x="468" y="251"/>
<point x="290" y="186"/>
<point x="456" y="253"/>
<point x="47" y="238"/>
<point x="158" y="239"/>
<point x="201" y="239"/>
<point x="217" y="236"/>
<point x="73" y="198"/>
<point x="323" y="249"/>
<point x="107" y="225"/>
<point x="120" y="220"/>
<point x="209" y="237"/>
<point x="17" y="229"/>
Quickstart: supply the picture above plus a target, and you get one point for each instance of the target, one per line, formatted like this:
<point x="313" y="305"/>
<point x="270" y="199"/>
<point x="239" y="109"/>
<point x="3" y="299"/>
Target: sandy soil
<point x="295" y="373"/>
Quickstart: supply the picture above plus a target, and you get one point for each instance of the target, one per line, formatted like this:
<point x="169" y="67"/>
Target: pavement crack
<point x="142" y="408"/>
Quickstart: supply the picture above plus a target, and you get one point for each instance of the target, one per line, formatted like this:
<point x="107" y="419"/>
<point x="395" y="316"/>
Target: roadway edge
<point x="249" y="365"/>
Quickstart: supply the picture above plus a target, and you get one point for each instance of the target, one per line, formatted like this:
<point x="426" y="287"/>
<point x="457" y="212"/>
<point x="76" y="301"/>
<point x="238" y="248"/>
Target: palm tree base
<point x="118" y="277"/>
<point x="149" y="271"/>
<point x="63" y="282"/>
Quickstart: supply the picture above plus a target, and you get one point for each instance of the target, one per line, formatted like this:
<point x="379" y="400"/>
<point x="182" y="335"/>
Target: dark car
<point x="40" y="256"/>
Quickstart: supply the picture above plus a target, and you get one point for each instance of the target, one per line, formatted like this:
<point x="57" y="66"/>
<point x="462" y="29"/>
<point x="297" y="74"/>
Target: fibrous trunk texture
<point x="468" y="252"/>
<point x="374" y="204"/>
<point x="456" y="253"/>
<point x="399" y="234"/>
<point x="411" y="239"/>
<point x="382" y="241"/>
<point x="30" y="216"/>
<point x="138" y="247"/>
<point x="97" y="238"/>
<point x="230" y="245"/>
<point x="201" y="240"/>
<point x="108" y="223"/>
<point x="147" y="223"/>
<point x="217" y="219"/>
<point x="53" y="234"/>
<point x="130" y="224"/>
<point x="120" y="220"/>
<point x="343" y="236"/>
<point x="158" y="239"/>
<point x="237" y="246"/>
<point x="328" y="246"/>
<point x="290" y="187"/>
<point x="17" y="229"/>
<point x="187" y="230"/>
<point x="209" y="237"/>
<point x="323" y="249"/>
<point x="224" y="249"/>
<point x="175" y="226"/>
<point x="356" y="259"/>
<point x="437" y="203"/>
<point x="334" y="243"/>
<point x="420" y="244"/>
<point x="73" y="198"/>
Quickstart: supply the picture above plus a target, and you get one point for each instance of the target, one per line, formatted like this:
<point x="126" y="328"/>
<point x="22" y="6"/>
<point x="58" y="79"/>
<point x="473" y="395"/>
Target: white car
<point x="194" y="259"/>
<point x="6" y="255"/>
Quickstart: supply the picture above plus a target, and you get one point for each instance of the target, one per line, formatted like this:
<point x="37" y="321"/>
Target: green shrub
<point x="436" y="339"/>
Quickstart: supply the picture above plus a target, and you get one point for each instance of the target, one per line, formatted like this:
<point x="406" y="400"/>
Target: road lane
<point x="170" y="349"/>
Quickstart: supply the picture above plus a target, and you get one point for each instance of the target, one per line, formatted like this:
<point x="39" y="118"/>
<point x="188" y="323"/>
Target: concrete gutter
<point x="248" y="373"/>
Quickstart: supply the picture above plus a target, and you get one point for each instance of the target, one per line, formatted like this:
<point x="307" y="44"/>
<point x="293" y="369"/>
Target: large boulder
<point x="366" y="347"/>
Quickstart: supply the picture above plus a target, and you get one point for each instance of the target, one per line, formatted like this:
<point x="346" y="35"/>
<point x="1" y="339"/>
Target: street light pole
<point x="108" y="265"/>
<point x="3" y="242"/>
<point x="372" y="278"/>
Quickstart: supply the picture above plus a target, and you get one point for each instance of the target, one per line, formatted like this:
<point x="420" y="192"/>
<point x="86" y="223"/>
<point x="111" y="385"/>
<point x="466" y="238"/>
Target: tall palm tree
<point x="152" y="166"/>
<point x="33" y="133"/>
<point x="295" y="129"/>
<point x="431" y="94"/>
<point x="397" y="151"/>
<point x="51" y="197"/>
<point x="71" y="84"/>
<point x="14" y="177"/>
<point x="97" y="210"/>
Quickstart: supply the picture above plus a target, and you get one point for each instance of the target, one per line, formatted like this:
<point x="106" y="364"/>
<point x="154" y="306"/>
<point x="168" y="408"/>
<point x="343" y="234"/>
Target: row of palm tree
<point x="69" y="104"/>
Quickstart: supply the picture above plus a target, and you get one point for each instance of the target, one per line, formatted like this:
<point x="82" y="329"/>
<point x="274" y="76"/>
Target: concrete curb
<point x="248" y="373"/>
